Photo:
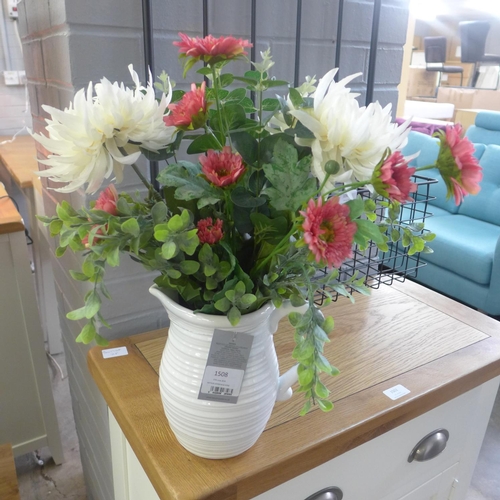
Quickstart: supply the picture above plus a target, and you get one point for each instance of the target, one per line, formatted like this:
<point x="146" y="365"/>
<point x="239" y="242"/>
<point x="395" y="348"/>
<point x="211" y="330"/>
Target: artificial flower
<point x="457" y="164"/>
<point x="210" y="49"/>
<point x="96" y="136"/>
<point x="107" y="200"/>
<point x="356" y="137"/>
<point x="190" y="112"/>
<point x="222" y="168"/>
<point x="85" y="239"/>
<point x="392" y="178"/>
<point x="328" y="231"/>
<point x="209" y="231"/>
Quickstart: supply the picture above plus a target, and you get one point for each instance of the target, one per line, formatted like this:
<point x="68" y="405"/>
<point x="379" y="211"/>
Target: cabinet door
<point x="438" y="488"/>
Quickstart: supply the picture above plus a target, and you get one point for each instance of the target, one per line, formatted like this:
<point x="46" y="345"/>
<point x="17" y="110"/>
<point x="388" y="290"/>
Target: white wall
<point x="14" y="114"/>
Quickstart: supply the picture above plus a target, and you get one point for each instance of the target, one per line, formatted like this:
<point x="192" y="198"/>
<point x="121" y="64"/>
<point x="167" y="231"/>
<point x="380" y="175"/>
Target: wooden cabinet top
<point x="19" y="158"/>
<point x="404" y="334"/>
<point x="10" y="219"/>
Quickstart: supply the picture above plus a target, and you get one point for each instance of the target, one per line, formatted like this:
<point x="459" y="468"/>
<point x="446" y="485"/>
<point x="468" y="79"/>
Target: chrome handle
<point x="430" y="446"/>
<point x="332" y="493"/>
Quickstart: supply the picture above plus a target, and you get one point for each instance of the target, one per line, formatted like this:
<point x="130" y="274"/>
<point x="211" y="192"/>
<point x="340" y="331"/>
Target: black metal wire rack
<point x="394" y="265"/>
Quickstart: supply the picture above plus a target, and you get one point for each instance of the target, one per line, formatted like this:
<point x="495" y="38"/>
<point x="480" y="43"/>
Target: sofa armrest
<point x="492" y="305"/>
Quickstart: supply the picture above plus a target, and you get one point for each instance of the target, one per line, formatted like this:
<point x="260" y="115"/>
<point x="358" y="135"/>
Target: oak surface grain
<point x="19" y="158"/>
<point x="395" y="336"/>
<point x="8" y="480"/>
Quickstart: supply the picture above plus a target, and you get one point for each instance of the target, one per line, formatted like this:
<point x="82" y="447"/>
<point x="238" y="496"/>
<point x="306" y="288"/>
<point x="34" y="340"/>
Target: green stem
<point x="217" y="103"/>
<point x="347" y="187"/>
<point x="427" y="167"/>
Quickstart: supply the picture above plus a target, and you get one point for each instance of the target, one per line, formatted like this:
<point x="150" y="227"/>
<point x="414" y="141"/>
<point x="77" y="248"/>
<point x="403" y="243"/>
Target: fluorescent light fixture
<point x="428" y="10"/>
<point x="489" y="6"/>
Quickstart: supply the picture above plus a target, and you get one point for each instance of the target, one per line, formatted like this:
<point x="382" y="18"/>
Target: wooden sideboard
<point x="445" y="354"/>
<point x="27" y="412"/>
<point x="19" y="161"/>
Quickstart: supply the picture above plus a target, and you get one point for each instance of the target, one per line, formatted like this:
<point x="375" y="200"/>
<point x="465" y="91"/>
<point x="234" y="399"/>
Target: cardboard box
<point x="466" y="117"/>
<point x="421" y="83"/>
<point x="467" y="98"/>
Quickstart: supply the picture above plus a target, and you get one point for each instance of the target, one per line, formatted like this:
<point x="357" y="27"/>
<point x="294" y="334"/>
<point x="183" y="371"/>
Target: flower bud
<point x="332" y="167"/>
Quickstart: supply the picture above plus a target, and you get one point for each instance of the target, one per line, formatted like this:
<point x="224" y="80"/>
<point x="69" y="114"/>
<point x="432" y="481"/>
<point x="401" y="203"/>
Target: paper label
<point x="114" y="352"/>
<point x="396" y="392"/>
<point x="226" y="364"/>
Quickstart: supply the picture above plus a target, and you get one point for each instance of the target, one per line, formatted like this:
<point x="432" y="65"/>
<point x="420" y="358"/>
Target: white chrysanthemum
<point x="88" y="139"/>
<point x="356" y="137"/>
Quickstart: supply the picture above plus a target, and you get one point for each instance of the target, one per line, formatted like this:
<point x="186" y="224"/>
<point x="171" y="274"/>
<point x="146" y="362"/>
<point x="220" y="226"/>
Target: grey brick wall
<point x="69" y="42"/>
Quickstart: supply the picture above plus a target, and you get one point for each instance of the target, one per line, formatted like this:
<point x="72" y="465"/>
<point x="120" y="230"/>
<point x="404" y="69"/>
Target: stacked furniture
<point x="465" y="264"/>
<point x="435" y="57"/>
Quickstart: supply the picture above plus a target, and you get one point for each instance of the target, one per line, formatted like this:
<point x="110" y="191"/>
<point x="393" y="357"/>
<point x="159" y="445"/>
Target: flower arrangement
<point x="269" y="198"/>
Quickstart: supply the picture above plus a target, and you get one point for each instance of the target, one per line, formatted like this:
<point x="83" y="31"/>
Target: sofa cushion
<point x="487" y="128"/>
<point x="486" y="204"/>
<point x="463" y="245"/>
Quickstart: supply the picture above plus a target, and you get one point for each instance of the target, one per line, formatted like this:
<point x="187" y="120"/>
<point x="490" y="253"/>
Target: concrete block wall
<point x="67" y="43"/>
<point x="14" y="102"/>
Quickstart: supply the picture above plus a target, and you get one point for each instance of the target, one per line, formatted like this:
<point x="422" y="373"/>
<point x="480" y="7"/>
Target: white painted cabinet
<point x="376" y="470"/>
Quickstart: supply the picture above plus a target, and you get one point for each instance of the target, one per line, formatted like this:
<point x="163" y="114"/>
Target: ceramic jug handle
<point x="290" y="377"/>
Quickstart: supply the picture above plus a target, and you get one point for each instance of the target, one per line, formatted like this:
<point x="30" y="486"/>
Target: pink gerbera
<point x="210" y="232"/>
<point x="211" y="49"/>
<point x="107" y="200"/>
<point x="392" y="178"/>
<point x="190" y="112"/>
<point x="222" y="168"/>
<point x="459" y="168"/>
<point x="328" y="231"/>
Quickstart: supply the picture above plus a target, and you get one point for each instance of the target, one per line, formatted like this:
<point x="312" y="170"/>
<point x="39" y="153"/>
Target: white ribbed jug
<point x="212" y="429"/>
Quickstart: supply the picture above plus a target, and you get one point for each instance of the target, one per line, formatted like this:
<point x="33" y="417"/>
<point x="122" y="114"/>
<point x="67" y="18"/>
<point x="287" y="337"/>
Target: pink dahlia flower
<point x="212" y="49"/>
<point x="328" y="231"/>
<point x="191" y="111"/>
<point x="457" y="165"/>
<point x="470" y="173"/>
<point x="107" y="200"/>
<point x="392" y="178"/>
<point x="210" y="232"/>
<point x="222" y="168"/>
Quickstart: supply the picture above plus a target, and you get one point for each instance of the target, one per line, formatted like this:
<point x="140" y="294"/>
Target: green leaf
<point x="60" y="251"/>
<point x="305" y="375"/>
<point x="123" y="207"/>
<point x="305" y="408"/>
<point x="101" y="341"/>
<point x="78" y="276"/>
<point x="246" y="145"/>
<point x="294" y="318"/>
<point x="55" y="227"/>
<point x="247" y="300"/>
<point x="321" y="390"/>
<point x="226" y="79"/>
<point x="245" y="199"/>
<point x="92" y="305"/>
<point x="236" y="95"/>
<point x="270" y="104"/>
<point x="234" y="117"/>
<point x="88" y="267"/>
<point x="159" y="212"/>
<point x="207" y="141"/>
<point x="87" y="334"/>
<point x="296" y="98"/>
<point x="189" y="266"/>
<point x="77" y="314"/>
<point x="267" y="84"/>
<point x="356" y="208"/>
<point x="290" y="178"/>
<point x="369" y="231"/>
<point x="234" y="316"/>
<point x="169" y="250"/>
<point x="325" y="405"/>
<point x="131" y="226"/>
<point x="269" y="230"/>
<point x="222" y="305"/>
<point x="190" y="185"/>
<point x="395" y="235"/>
<point x="297" y="300"/>
<point x="113" y="258"/>
<point x="177" y="223"/>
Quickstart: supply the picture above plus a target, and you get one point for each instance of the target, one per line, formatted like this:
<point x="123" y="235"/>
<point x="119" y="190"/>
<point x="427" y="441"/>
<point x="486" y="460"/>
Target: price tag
<point x="114" y="352"/>
<point x="396" y="392"/>
<point x="226" y="364"/>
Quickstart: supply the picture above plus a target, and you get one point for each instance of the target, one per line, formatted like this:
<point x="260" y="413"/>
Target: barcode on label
<point x="220" y="390"/>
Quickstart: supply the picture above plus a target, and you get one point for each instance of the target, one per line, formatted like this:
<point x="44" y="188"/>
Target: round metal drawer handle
<point x="332" y="493"/>
<point x="430" y="446"/>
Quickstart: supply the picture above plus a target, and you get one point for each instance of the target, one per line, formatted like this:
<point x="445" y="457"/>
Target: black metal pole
<point x="297" y="44"/>
<point x="373" y="52"/>
<point x="205" y="33"/>
<point x="253" y="41"/>
<point x="340" y="16"/>
<point x="147" y="27"/>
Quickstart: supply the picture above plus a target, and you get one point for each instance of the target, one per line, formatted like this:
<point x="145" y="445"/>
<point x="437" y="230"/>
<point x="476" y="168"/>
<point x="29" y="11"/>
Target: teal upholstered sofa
<point x="465" y="264"/>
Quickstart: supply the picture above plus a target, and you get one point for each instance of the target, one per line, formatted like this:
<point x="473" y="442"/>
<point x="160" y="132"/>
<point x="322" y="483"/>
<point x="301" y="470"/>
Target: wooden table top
<point x="10" y="219"/>
<point x="19" y="158"/>
<point x="403" y="334"/>
<point x="8" y="480"/>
